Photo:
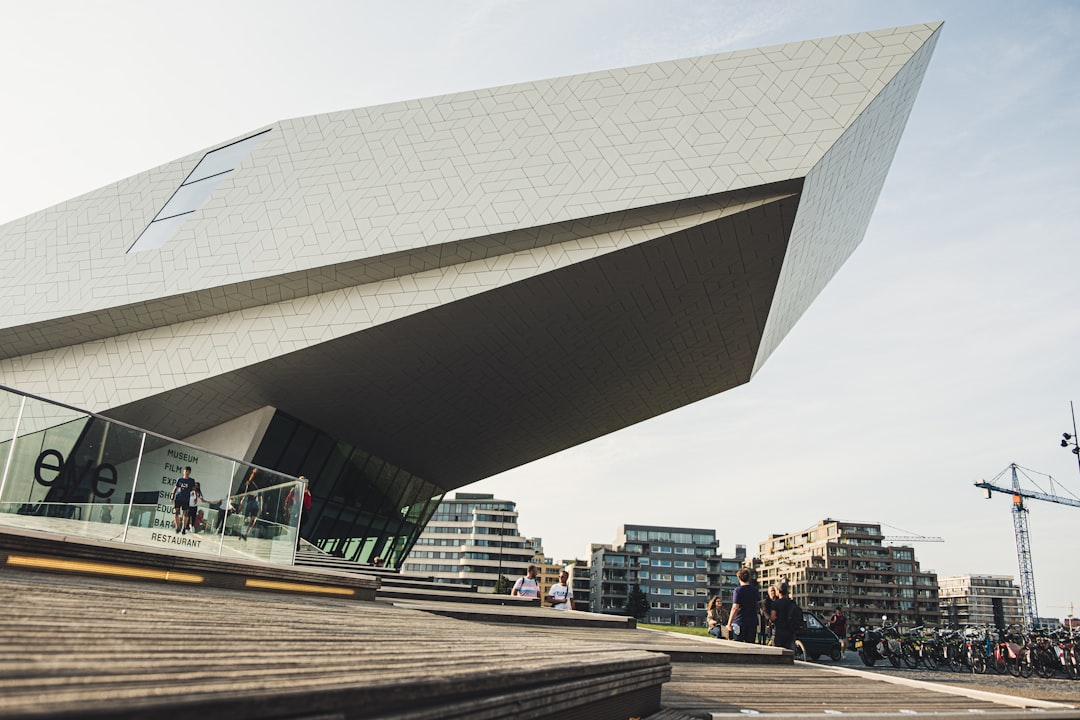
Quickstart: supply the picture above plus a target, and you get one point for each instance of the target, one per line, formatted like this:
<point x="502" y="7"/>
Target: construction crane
<point x="1020" y="528"/>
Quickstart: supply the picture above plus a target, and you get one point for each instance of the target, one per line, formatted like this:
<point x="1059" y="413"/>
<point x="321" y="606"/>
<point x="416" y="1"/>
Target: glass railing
<point x="72" y="472"/>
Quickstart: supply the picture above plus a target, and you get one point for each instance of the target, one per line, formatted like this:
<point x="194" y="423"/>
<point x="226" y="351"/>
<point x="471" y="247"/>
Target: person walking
<point x="294" y="505"/>
<point x="181" y="496"/>
<point x="838" y="624"/>
<point x="743" y="621"/>
<point x="561" y="595"/>
<point x="252" y="506"/>
<point x="783" y="618"/>
<point x="527" y="586"/>
<point x="192" y="509"/>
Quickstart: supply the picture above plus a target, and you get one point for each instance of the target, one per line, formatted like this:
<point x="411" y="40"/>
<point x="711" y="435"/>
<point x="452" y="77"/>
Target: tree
<point x="637" y="603"/>
<point x="504" y="585"/>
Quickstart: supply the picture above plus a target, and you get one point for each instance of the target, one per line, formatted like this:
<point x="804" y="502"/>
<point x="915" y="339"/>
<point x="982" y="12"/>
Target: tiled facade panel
<point x="839" y="197"/>
<point x="90" y="326"/>
<point x="333" y="188"/>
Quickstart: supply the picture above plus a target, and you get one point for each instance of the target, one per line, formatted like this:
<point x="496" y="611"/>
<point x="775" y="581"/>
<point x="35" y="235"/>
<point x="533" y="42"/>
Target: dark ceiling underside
<point x="484" y="384"/>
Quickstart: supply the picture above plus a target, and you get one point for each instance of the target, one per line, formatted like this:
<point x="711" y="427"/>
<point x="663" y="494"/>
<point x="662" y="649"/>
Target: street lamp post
<point x="1068" y="440"/>
<point x="498" y="576"/>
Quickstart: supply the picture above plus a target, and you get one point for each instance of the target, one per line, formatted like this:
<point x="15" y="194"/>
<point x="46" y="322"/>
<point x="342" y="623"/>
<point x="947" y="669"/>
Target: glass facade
<point x="68" y="471"/>
<point x="362" y="507"/>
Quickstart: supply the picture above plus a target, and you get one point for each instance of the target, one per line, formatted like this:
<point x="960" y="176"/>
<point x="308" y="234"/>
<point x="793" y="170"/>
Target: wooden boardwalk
<point x="78" y="644"/>
<point x="108" y="648"/>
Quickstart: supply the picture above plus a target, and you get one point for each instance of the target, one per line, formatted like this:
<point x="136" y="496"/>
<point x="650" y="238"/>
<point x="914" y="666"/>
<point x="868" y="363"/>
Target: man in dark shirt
<point x="838" y="624"/>
<point x="181" y="497"/>
<point x="743" y="621"/>
<point x="781" y="616"/>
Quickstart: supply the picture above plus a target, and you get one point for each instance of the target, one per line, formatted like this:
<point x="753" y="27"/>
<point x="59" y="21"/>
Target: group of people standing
<point x="560" y="596"/>
<point x="774" y="619"/>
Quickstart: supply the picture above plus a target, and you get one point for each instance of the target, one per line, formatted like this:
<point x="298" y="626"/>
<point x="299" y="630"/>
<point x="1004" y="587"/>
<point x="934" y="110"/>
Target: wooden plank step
<point x="78" y="646"/>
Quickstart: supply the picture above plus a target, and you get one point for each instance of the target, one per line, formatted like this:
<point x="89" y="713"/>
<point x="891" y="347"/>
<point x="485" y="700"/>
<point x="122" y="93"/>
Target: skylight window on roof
<point x="194" y="191"/>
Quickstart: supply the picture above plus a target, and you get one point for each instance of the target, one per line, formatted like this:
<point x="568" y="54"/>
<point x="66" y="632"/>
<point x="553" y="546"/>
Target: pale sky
<point x="945" y="349"/>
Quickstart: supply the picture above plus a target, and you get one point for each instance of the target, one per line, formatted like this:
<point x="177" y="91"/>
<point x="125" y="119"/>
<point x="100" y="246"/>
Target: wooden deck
<point x="84" y="644"/>
<point x="98" y="647"/>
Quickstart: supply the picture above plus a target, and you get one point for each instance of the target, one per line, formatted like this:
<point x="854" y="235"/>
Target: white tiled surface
<point x="838" y="200"/>
<point x="333" y="188"/>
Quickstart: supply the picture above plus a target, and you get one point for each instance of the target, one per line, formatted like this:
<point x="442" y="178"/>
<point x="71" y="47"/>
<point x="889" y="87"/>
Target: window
<point x="662" y="549"/>
<point x="194" y="191"/>
<point x="643" y="575"/>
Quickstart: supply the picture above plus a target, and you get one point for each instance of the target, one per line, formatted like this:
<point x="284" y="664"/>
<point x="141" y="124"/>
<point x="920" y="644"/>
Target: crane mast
<point x="1023" y="553"/>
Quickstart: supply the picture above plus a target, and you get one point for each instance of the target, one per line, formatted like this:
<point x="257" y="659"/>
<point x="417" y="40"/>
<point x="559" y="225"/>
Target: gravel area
<point x="1057" y="689"/>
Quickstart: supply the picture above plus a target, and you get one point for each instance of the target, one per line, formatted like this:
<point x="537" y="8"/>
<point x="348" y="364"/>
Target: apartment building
<point x="670" y="565"/>
<point x="847" y="564"/>
<point x="472" y="539"/>
<point x="980" y="600"/>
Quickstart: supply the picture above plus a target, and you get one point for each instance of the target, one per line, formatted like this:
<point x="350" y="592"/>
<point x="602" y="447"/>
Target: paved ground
<point x="1057" y="689"/>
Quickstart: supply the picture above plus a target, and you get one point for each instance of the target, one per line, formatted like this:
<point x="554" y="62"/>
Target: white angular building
<point x="399" y="300"/>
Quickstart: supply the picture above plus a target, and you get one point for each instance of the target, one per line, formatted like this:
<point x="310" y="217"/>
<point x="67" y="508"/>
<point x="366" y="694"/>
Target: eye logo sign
<point x="51" y="469"/>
